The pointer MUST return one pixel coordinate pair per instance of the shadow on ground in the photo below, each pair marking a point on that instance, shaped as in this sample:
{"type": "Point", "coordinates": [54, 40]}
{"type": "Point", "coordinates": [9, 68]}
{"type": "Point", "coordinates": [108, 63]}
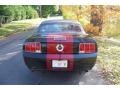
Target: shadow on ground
{"type": "Point", "coordinates": [59, 78]}
{"type": "Point", "coordinates": [14, 72]}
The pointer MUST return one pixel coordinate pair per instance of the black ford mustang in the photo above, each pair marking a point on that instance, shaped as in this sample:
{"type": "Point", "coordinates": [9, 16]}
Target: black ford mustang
{"type": "Point", "coordinates": [60, 45]}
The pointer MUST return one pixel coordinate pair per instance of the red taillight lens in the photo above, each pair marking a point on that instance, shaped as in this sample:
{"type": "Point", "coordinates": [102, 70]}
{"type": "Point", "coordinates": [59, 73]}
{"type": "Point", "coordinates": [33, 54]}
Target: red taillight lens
{"type": "Point", "coordinates": [87, 48]}
{"type": "Point", "coordinates": [34, 47]}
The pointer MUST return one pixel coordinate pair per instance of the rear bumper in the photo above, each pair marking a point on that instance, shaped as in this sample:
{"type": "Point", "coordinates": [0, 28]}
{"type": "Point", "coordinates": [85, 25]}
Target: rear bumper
{"type": "Point", "coordinates": [80, 61]}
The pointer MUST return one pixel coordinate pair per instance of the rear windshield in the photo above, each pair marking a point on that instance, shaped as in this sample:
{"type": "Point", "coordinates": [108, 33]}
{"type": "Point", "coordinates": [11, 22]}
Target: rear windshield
{"type": "Point", "coordinates": [59, 28]}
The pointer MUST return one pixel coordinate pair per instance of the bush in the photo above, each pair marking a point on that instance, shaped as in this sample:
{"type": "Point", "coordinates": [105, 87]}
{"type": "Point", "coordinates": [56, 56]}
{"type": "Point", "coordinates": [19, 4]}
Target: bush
{"type": "Point", "coordinates": [30, 12]}
{"type": "Point", "coordinates": [17, 11]}
{"type": "Point", "coordinates": [47, 9]}
{"type": "Point", "coordinates": [23, 12]}
{"type": "Point", "coordinates": [35, 14]}
{"type": "Point", "coordinates": [8, 12]}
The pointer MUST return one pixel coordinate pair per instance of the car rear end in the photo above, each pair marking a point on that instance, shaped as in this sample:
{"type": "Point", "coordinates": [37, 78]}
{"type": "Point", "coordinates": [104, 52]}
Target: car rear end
{"type": "Point", "coordinates": [77, 54]}
{"type": "Point", "coordinates": [60, 52]}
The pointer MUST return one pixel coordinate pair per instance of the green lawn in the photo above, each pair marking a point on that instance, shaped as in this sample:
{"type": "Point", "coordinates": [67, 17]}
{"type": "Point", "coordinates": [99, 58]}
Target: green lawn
{"type": "Point", "coordinates": [109, 60]}
{"type": "Point", "coordinates": [17, 26]}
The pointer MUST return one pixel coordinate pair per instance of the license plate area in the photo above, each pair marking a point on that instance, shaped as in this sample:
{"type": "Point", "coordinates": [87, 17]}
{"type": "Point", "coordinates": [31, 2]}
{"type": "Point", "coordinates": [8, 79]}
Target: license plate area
{"type": "Point", "coordinates": [59, 63]}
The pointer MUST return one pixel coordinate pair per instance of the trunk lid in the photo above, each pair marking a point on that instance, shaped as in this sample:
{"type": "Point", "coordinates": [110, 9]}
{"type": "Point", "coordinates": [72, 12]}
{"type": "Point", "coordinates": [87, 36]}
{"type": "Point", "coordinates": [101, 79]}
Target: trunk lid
{"type": "Point", "coordinates": [62, 44]}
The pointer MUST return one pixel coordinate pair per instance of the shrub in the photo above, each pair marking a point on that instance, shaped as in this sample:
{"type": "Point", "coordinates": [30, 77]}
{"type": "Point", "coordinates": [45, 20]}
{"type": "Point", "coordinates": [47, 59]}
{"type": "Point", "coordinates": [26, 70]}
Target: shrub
{"type": "Point", "coordinates": [23, 12]}
{"type": "Point", "coordinates": [17, 11]}
{"type": "Point", "coordinates": [47, 9]}
{"type": "Point", "coordinates": [30, 12]}
{"type": "Point", "coordinates": [7, 12]}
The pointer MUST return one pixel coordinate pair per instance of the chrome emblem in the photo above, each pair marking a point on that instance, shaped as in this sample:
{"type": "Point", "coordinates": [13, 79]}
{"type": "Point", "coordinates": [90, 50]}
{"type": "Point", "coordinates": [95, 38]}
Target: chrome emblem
{"type": "Point", "coordinates": [59, 47]}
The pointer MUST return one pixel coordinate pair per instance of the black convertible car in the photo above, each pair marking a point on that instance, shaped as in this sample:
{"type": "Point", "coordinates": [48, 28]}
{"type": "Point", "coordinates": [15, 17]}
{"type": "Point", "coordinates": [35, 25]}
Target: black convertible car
{"type": "Point", "coordinates": [60, 45]}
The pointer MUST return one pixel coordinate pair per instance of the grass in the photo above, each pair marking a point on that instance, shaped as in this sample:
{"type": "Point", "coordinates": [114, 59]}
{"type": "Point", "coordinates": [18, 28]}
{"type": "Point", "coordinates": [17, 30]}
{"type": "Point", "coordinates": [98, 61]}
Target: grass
{"type": "Point", "coordinates": [17, 26]}
{"type": "Point", "coordinates": [112, 29]}
{"type": "Point", "coordinates": [109, 58]}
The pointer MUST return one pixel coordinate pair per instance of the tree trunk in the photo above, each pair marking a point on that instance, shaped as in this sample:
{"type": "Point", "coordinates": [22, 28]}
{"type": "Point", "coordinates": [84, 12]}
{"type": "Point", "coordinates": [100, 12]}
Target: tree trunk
{"type": "Point", "coordinates": [97, 17]}
{"type": "Point", "coordinates": [1, 19]}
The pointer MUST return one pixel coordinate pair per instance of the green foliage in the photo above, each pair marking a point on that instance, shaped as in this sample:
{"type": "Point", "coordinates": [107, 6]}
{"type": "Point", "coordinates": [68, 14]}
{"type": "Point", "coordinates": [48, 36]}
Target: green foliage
{"type": "Point", "coordinates": [23, 12]}
{"type": "Point", "coordinates": [30, 12]}
{"type": "Point", "coordinates": [17, 12]}
{"type": "Point", "coordinates": [8, 12]}
{"type": "Point", "coordinates": [83, 21]}
{"type": "Point", "coordinates": [2, 9]}
{"type": "Point", "coordinates": [38, 9]}
{"type": "Point", "coordinates": [47, 9]}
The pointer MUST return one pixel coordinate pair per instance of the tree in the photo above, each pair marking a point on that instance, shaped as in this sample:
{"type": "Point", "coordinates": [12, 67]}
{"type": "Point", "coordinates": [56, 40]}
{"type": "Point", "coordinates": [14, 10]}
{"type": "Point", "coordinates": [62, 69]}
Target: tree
{"type": "Point", "coordinates": [97, 17]}
{"type": "Point", "coordinates": [89, 16]}
{"type": "Point", "coordinates": [38, 9]}
{"type": "Point", "coordinates": [6, 13]}
{"type": "Point", "coordinates": [16, 12]}
{"type": "Point", "coordinates": [23, 12]}
{"type": "Point", "coordinates": [30, 12]}
{"type": "Point", "coordinates": [47, 9]}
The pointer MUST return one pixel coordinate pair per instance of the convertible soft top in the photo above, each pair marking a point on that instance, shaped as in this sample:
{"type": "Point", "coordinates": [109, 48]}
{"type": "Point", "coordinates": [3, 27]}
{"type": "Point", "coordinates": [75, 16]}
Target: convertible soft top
{"type": "Point", "coordinates": [64, 21]}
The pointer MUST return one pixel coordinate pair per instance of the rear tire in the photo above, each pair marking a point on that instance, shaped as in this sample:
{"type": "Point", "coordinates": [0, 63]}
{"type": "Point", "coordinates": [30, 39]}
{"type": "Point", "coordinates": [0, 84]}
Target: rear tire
{"type": "Point", "coordinates": [85, 67]}
{"type": "Point", "coordinates": [35, 64]}
{"type": "Point", "coordinates": [28, 64]}
{"type": "Point", "coordinates": [88, 67]}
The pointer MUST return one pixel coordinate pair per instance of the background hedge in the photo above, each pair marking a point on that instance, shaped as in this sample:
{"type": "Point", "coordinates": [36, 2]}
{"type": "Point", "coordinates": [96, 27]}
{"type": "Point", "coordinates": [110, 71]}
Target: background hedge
{"type": "Point", "coordinates": [10, 13]}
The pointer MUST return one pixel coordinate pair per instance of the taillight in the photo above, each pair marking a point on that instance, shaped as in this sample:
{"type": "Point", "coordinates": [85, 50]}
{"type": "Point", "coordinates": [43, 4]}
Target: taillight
{"type": "Point", "coordinates": [34, 47]}
{"type": "Point", "coordinates": [87, 48]}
